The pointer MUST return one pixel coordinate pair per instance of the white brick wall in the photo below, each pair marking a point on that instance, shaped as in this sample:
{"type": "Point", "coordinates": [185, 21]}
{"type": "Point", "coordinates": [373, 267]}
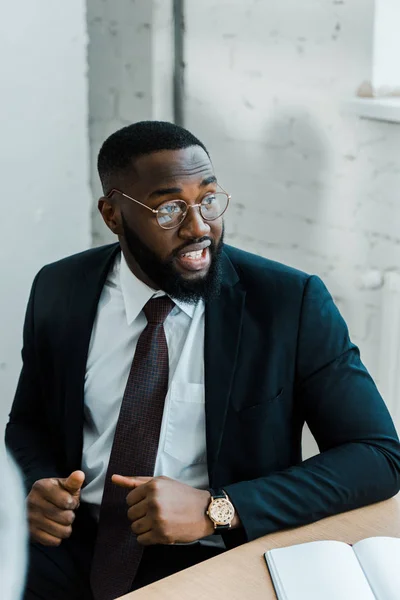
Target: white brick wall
{"type": "Point", "coordinates": [130, 74]}
{"type": "Point", "coordinates": [311, 187]}
{"type": "Point", "coordinates": [44, 156]}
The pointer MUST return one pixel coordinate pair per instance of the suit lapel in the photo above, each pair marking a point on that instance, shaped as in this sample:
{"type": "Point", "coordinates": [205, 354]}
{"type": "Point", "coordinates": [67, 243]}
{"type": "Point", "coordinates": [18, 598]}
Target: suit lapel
{"type": "Point", "coordinates": [85, 294]}
{"type": "Point", "coordinates": [223, 323]}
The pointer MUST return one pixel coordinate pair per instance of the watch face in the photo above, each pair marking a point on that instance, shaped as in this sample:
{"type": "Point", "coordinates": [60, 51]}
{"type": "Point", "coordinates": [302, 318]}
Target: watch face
{"type": "Point", "coordinates": [221, 511]}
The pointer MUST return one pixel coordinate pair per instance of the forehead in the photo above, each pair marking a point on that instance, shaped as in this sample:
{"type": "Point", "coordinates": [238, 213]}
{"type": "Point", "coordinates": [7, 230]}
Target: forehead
{"type": "Point", "coordinates": [161, 169]}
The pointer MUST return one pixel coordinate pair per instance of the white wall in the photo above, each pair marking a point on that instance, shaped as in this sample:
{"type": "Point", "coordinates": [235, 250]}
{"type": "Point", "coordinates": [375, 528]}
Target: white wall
{"type": "Point", "coordinates": [311, 187]}
{"type": "Point", "coordinates": [43, 157]}
{"type": "Point", "coordinates": [130, 75]}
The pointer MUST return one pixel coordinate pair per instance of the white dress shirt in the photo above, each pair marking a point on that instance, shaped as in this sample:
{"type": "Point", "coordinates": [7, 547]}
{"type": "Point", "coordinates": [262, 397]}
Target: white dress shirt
{"type": "Point", "coordinates": [118, 324]}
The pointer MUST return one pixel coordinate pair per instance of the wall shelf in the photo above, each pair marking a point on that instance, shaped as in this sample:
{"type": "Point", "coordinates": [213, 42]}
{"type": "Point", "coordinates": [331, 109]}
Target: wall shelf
{"type": "Point", "coordinates": [379, 109]}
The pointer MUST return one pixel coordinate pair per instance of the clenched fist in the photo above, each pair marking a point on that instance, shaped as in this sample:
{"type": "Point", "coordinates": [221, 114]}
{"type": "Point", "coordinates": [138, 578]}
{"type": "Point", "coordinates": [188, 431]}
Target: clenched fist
{"type": "Point", "coordinates": [51, 504]}
{"type": "Point", "coordinates": [164, 511]}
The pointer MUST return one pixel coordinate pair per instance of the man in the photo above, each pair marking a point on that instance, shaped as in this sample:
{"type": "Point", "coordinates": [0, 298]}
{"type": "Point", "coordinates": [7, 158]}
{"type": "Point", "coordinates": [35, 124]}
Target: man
{"type": "Point", "coordinates": [166, 382]}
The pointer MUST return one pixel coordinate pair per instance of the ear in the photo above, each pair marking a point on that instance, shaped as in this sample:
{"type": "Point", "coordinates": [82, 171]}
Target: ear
{"type": "Point", "coordinates": [110, 211]}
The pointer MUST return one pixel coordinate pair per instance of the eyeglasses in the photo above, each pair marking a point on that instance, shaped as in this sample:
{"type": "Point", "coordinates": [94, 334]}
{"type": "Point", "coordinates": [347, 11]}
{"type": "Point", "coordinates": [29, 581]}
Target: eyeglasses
{"type": "Point", "coordinates": [172, 213]}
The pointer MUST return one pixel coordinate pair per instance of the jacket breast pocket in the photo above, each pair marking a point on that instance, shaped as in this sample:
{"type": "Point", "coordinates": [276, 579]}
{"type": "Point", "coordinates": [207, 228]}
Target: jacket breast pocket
{"type": "Point", "coordinates": [261, 409]}
{"type": "Point", "coordinates": [185, 435]}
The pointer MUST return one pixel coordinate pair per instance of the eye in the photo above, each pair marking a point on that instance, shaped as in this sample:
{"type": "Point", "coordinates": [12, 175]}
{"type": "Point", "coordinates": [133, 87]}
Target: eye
{"type": "Point", "coordinates": [170, 209]}
{"type": "Point", "coordinates": [209, 200]}
{"type": "Point", "coordinates": [171, 213]}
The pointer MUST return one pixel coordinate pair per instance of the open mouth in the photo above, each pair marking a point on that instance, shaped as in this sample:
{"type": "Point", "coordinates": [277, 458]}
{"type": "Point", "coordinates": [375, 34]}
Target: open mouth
{"type": "Point", "coordinates": [195, 258]}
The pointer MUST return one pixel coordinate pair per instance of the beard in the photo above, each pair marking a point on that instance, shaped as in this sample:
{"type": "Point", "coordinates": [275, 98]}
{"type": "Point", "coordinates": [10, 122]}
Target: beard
{"type": "Point", "coordinates": [165, 275]}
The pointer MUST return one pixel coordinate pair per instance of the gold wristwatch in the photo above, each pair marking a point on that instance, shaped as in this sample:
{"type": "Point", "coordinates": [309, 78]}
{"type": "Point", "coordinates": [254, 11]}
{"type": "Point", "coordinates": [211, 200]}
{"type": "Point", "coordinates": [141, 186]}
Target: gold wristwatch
{"type": "Point", "coordinates": [220, 510]}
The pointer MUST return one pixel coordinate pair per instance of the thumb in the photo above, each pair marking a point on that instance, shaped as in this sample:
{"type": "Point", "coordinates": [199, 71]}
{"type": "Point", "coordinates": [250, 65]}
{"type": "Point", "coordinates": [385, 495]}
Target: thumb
{"type": "Point", "coordinates": [129, 482]}
{"type": "Point", "coordinates": [73, 483]}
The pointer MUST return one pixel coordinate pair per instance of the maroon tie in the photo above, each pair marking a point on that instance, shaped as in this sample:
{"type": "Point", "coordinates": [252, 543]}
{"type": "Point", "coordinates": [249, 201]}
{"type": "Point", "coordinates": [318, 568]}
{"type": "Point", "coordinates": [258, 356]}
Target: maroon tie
{"type": "Point", "coordinates": [117, 554]}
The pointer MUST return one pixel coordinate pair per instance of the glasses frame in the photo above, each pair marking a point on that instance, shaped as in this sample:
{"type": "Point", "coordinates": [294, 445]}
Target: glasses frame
{"type": "Point", "coordinates": [155, 211]}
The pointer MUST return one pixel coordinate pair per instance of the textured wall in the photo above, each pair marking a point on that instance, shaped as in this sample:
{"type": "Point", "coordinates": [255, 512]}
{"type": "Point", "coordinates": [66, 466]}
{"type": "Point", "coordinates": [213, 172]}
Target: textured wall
{"type": "Point", "coordinates": [311, 187]}
{"type": "Point", "coordinates": [44, 154]}
{"type": "Point", "coordinates": [130, 74]}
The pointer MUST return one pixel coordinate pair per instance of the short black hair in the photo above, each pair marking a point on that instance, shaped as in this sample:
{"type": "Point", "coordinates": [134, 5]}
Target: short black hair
{"type": "Point", "coordinates": [144, 137]}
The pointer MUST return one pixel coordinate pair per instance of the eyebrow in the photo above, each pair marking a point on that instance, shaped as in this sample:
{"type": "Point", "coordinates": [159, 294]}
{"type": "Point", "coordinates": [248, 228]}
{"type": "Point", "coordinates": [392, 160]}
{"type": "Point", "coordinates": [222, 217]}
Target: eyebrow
{"type": "Point", "coordinates": [177, 190]}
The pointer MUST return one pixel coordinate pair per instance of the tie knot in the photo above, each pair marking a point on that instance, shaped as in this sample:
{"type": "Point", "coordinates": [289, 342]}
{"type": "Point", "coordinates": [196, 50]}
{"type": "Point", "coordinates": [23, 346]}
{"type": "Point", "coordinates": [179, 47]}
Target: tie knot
{"type": "Point", "coordinates": [158, 309]}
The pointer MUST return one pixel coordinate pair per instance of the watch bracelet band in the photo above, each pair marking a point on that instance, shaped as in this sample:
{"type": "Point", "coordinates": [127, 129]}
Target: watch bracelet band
{"type": "Point", "coordinates": [219, 494]}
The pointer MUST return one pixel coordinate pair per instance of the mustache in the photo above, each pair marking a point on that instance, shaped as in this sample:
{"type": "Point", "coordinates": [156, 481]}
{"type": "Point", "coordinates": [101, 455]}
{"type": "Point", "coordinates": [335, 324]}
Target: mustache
{"type": "Point", "coordinates": [194, 241]}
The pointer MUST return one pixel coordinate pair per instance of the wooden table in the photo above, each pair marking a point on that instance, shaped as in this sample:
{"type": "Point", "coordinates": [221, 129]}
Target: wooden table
{"type": "Point", "coordinates": [241, 573]}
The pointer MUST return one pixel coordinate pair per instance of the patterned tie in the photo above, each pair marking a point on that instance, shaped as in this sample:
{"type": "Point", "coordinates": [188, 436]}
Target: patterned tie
{"type": "Point", "coordinates": [117, 554]}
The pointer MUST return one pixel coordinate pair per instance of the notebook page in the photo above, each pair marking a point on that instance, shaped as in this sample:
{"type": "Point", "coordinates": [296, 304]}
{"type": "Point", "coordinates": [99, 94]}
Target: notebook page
{"type": "Point", "coordinates": [380, 560]}
{"type": "Point", "coordinates": [315, 570]}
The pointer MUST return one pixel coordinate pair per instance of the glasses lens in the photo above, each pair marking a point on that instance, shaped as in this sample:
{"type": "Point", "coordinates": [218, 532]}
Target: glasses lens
{"type": "Point", "coordinates": [171, 214]}
{"type": "Point", "coordinates": [214, 205]}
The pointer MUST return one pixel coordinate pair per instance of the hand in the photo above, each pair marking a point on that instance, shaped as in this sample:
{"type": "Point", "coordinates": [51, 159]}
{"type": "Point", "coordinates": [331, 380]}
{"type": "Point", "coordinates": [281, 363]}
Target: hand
{"type": "Point", "coordinates": [165, 511]}
{"type": "Point", "coordinates": [51, 504]}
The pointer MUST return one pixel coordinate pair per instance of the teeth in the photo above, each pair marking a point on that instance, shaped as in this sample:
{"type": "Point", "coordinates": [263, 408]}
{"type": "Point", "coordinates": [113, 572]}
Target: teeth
{"type": "Point", "coordinates": [193, 255]}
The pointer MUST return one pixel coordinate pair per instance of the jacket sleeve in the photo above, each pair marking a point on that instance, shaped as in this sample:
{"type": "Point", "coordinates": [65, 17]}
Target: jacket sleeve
{"type": "Point", "coordinates": [26, 433]}
{"type": "Point", "coordinates": [359, 460]}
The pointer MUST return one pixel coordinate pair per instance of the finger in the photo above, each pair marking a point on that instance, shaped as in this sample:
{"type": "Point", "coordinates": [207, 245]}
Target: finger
{"type": "Point", "coordinates": [137, 495]}
{"type": "Point", "coordinates": [124, 482]}
{"type": "Point", "coordinates": [137, 511]}
{"type": "Point", "coordinates": [47, 509]}
{"type": "Point", "coordinates": [129, 482]}
{"type": "Point", "coordinates": [50, 527]}
{"type": "Point", "coordinates": [141, 526]}
{"type": "Point", "coordinates": [73, 483]}
{"type": "Point", "coordinates": [51, 491]}
{"type": "Point", "coordinates": [44, 538]}
{"type": "Point", "coordinates": [62, 517]}
{"type": "Point", "coordinates": [147, 539]}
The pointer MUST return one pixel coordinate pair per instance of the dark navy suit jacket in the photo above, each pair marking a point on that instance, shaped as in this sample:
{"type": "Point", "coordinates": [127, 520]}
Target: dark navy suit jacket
{"type": "Point", "coordinates": [277, 354]}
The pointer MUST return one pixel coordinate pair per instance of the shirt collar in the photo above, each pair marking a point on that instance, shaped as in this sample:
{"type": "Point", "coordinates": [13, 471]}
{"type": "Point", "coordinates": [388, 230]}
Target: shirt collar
{"type": "Point", "coordinates": [136, 294]}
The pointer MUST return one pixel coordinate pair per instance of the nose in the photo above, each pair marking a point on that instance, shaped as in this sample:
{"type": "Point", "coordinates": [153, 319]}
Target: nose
{"type": "Point", "coordinates": [194, 226]}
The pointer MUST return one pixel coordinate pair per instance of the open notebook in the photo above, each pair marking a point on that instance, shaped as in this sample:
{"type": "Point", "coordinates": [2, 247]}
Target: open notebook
{"type": "Point", "coordinates": [329, 570]}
